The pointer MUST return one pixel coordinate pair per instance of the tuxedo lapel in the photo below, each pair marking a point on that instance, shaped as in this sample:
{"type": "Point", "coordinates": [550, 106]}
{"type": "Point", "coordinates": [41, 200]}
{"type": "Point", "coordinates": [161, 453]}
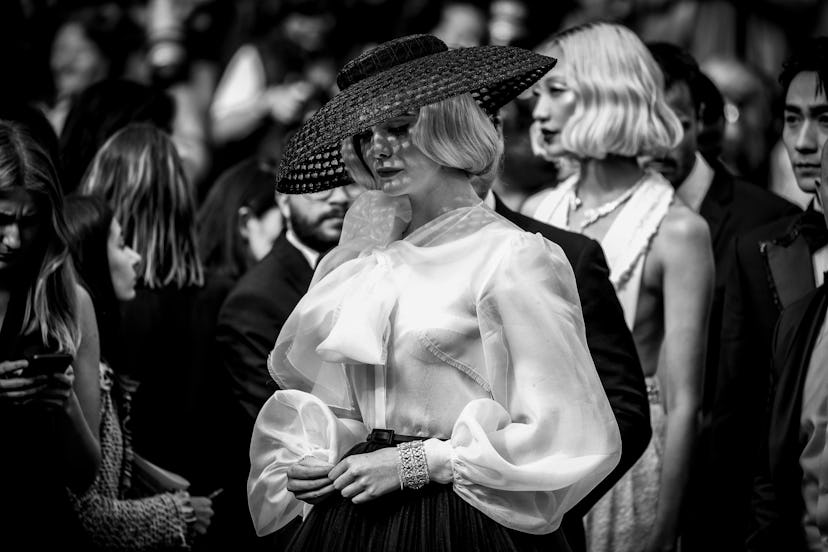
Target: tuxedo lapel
{"type": "Point", "coordinates": [790, 274]}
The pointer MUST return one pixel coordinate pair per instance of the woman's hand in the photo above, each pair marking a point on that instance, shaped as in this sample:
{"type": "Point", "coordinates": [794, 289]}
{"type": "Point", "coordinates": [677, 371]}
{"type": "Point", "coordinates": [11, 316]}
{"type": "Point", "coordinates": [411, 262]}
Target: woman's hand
{"type": "Point", "coordinates": [364, 477]}
{"type": "Point", "coordinates": [308, 480]}
{"type": "Point", "coordinates": [58, 389]}
{"type": "Point", "coordinates": [15, 388]}
{"type": "Point", "coordinates": [203, 509]}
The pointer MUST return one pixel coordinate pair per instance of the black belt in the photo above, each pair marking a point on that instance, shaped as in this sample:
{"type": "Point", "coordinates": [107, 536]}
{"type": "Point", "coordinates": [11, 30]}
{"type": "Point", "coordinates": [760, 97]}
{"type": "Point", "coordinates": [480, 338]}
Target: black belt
{"type": "Point", "coordinates": [389, 437]}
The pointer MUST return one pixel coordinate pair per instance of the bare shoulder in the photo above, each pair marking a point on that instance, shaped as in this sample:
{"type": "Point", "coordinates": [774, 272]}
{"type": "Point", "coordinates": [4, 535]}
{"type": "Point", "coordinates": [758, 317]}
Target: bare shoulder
{"type": "Point", "coordinates": [86, 310]}
{"type": "Point", "coordinates": [84, 300]}
{"type": "Point", "coordinates": [683, 241]}
{"type": "Point", "coordinates": [682, 226]}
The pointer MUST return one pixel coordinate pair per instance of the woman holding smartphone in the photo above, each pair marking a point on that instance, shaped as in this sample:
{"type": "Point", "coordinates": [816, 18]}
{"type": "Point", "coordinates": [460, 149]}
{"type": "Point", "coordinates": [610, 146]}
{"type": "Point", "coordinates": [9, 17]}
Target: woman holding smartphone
{"type": "Point", "coordinates": [48, 422]}
{"type": "Point", "coordinates": [170, 520]}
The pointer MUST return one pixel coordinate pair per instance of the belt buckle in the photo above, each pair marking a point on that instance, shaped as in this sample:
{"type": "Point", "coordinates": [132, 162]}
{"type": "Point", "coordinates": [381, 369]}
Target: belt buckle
{"type": "Point", "coordinates": [383, 436]}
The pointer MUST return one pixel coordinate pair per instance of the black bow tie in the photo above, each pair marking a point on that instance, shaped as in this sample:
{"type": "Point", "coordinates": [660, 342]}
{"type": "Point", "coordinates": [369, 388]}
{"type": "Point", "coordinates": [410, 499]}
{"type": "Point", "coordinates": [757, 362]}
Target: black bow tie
{"type": "Point", "coordinates": [812, 227]}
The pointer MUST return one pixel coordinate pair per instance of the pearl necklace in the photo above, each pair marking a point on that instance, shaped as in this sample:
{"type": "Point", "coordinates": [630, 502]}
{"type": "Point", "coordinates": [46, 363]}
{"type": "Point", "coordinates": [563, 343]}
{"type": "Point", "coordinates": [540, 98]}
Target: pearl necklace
{"type": "Point", "coordinates": [591, 216]}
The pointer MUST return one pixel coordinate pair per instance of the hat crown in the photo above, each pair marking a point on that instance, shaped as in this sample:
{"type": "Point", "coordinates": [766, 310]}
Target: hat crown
{"type": "Point", "coordinates": [387, 55]}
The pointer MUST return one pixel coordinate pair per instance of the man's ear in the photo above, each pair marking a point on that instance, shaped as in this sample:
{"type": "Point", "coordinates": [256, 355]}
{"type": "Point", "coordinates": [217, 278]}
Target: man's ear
{"type": "Point", "coordinates": [245, 215]}
{"type": "Point", "coordinates": [283, 203]}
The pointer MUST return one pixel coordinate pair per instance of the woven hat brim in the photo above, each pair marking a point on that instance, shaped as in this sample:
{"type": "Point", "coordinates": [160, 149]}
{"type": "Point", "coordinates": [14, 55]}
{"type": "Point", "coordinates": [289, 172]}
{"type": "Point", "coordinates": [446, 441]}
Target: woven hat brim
{"type": "Point", "coordinates": [494, 75]}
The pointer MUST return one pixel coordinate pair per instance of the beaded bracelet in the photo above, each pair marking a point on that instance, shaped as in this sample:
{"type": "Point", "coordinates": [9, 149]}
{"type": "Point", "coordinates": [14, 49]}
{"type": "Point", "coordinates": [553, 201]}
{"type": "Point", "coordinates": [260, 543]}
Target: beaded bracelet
{"type": "Point", "coordinates": [413, 469]}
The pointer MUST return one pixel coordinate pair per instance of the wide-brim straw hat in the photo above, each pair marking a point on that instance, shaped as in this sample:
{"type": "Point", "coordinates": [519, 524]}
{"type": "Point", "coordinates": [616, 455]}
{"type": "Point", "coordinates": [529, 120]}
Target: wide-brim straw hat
{"type": "Point", "coordinates": [393, 79]}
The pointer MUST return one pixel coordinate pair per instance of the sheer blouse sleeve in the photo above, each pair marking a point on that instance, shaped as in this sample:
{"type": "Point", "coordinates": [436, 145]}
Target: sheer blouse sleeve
{"type": "Point", "coordinates": [291, 425]}
{"type": "Point", "coordinates": [547, 436]}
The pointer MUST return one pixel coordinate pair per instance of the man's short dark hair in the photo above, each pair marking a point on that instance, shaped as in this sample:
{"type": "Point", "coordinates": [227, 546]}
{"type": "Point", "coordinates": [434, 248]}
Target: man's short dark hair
{"type": "Point", "coordinates": [810, 55]}
{"type": "Point", "coordinates": [678, 66]}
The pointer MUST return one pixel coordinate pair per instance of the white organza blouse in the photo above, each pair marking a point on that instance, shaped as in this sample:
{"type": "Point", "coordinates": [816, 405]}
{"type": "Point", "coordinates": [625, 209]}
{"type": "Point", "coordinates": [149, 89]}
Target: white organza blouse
{"type": "Point", "coordinates": [469, 331]}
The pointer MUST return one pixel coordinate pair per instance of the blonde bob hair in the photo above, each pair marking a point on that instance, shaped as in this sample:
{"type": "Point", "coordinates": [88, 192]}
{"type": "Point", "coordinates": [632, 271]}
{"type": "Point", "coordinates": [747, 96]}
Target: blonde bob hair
{"type": "Point", "coordinates": [619, 88]}
{"type": "Point", "coordinates": [455, 133]}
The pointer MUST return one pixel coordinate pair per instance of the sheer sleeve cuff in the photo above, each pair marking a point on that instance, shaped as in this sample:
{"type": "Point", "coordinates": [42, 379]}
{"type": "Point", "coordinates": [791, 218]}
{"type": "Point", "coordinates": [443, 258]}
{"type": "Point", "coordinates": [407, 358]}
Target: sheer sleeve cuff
{"type": "Point", "coordinates": [291, 425]}
{"type": "Point", "coordinates": [438, 456]}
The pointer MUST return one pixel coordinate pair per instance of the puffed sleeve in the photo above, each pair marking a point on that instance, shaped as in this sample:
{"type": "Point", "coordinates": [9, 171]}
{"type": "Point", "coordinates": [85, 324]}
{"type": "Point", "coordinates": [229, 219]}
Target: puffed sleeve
{"type": "Point", "coordinates": [548, 435]}
{"type": "Point", "coordinates": [291, 425]}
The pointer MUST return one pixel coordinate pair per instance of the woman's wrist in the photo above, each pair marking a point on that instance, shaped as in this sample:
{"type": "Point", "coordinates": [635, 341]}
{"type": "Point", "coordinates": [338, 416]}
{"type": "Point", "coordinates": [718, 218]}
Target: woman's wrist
{"type": "Point", "coordinates": [412, 465]}
{"type": "Point", "coordinates": [185, 507]}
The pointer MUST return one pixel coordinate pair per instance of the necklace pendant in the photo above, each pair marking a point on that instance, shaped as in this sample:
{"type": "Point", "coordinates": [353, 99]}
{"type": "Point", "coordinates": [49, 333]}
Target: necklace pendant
{"type": "Point", "coordinates": [575, 203]}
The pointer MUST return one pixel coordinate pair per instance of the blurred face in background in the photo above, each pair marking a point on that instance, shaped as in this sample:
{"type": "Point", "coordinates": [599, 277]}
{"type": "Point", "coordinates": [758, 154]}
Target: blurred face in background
{"type": "Point", "coordinates": [806, 128]}
{"type": "Point", "coordinates": [507, 22]}
{"type": "Point", "coordinates": [676, 165]}
{"type": "Point", "coordinates": [746, 142]}
{"type": "Point", "coordinates": [308, 31]}
{"type": "Point", "coordinates": [461, 25]}
{"type": "Point", "coordinates": [260, 231]}
{"type": "Point", "coordinates": [76, 61]}
{"type": "Point", "coordinates": [122, 262]}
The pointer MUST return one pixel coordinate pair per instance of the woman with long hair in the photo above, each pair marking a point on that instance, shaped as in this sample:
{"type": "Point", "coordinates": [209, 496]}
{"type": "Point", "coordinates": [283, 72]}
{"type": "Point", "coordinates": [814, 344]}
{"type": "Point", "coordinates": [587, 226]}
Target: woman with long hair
{"type": "Point", "coordinates": [49, 419]}
{"type": "Point", "coordinates": [106, 267]}
{"type": "Point", "coordinates": [166, 334]}
{"type": "Point", "coordinates": [603, 105]}
{"type": "Point", "coordinates": [239, 219]}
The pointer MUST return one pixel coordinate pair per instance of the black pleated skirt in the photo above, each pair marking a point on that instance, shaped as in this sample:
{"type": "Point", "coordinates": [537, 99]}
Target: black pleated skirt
{"type": "Point", "coordinates": [432, 519]}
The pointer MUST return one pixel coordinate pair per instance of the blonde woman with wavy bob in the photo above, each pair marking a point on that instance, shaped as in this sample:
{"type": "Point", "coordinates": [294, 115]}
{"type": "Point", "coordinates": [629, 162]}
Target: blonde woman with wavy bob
{"type": "Point", "coordinates": [603, 105]}
{"type": "Point", "coordinates": [620, 108]}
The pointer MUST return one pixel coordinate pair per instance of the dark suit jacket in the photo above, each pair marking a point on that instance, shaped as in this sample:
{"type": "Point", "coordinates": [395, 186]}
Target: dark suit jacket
{"type": "Point", "coordinates": [252, 316]}
{"type": "Point", "coordinates": [772, 269]}
{"type": "Point", "coordinates": [613, 351]}
{"type": "Point", "coordinates": [777, 500]}
{"type": "Point", "coordinates": [730, 208]}
{"type": "Point", "coordinates": [248, 323]}
{"type": "Point", "coordinates": [166, 338]}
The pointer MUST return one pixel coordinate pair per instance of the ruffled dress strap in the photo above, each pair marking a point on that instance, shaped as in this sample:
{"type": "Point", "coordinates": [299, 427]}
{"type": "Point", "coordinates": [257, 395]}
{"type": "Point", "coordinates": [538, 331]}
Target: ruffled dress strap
{"type": "Point", "coordinates": [628, 239]}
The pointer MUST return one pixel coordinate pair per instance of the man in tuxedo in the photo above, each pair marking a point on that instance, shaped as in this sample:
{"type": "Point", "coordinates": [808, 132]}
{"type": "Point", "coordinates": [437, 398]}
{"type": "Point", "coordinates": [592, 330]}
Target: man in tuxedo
{"type": "Point", "coordinates": [254, 312]}
{"type": "Point", "coordinates": [773, 266]}
{"type": "Point", "coordinates": [610, 344]}
{"type": "Point", "coordinates": [730, 207]}
{"type": "Point", "coordinates": [790, 478]}
{"type": "Point", "coordinates": [260, 303]}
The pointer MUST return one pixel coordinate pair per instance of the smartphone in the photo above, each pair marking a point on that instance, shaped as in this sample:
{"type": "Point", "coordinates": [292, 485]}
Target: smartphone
{"type": "Point", "coordinates": [44, 364]}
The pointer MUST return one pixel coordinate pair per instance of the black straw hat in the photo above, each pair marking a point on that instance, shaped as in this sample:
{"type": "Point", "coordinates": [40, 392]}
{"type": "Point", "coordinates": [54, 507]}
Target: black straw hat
{"type": "Point", "coordinates": [390, 80]}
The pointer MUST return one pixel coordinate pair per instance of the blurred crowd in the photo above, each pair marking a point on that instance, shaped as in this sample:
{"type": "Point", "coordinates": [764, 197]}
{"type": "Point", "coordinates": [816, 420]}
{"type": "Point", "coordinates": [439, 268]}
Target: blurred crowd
{"type": "Point", "coordinates": [244, 74]}
{"type": "Point", "coordinates": [165, 121]}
